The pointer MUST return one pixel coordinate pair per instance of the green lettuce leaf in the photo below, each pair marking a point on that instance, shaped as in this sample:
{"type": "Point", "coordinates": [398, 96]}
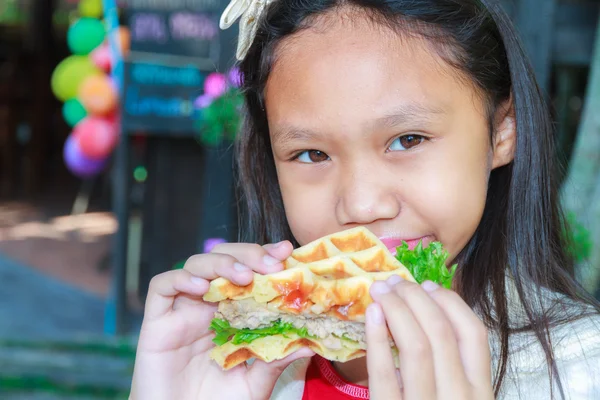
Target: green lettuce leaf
{"type": "Point", "coordinates": [225, 332]}
{"type": "Point", "coordinates": [427, 264]}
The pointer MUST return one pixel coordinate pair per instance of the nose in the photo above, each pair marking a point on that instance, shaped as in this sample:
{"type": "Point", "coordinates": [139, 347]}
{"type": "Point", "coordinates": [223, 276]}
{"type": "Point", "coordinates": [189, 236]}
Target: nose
{"type": "Point", "coordinates": [365, 196]}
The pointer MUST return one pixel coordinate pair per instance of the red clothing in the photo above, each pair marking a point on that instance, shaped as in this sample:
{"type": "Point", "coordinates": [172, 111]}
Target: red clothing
{"type": "Point", "coordinates": [323, 382]}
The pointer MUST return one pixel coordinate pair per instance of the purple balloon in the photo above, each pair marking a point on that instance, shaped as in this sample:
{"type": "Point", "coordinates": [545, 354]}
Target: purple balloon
{"type": "Point", "coordinates": [235, 77]}
{"type": "Point", "coordinates": [203, 101]}
{"type": "Point", "coordinates": [79, 164]}
{"type": "Point", "coordinates": [209, 244]}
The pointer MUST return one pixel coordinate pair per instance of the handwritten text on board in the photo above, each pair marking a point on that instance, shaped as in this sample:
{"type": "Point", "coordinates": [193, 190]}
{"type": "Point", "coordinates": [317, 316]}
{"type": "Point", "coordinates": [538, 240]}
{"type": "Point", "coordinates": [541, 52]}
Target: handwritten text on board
{"type": "Point", "coordinates": [154, 27]}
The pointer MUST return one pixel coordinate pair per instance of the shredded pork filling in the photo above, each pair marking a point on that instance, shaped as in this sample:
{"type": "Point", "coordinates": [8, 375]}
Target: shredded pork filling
{"type": "Point", "coordinates": [250, 314]}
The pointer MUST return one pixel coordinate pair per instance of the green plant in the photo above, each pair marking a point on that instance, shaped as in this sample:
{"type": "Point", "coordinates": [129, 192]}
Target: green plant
{"type": "Point", "coordinates": [221, 119]}
{"type": "Point", "coordinates": [578, 239]}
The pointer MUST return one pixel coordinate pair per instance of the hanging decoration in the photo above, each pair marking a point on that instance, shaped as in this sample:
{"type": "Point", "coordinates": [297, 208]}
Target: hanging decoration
{"type": "Point", "coordinates": [218, 110]}
{"type": "Point", "coordinates": [82, 82]}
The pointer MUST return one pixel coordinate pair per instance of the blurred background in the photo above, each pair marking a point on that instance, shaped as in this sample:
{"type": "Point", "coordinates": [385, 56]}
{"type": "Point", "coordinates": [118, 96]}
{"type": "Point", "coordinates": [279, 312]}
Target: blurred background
{"type": "Point", "coordinates": [116, 123]}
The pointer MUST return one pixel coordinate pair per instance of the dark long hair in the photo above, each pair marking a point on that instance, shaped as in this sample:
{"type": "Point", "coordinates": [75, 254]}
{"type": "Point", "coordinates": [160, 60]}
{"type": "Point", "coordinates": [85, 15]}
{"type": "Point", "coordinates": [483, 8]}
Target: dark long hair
{"type": "Point", "coordinates": [522, 229]}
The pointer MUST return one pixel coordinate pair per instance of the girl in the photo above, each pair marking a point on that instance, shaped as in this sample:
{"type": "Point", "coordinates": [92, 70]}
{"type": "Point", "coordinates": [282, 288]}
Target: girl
{"type": "Point", "coordinates": [421, 120]}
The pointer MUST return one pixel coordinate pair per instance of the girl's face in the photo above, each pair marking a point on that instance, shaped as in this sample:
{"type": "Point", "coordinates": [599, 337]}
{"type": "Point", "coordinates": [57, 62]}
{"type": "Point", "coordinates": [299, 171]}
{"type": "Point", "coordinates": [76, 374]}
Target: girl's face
{"type": "Point", "coordinates": [368, 128]}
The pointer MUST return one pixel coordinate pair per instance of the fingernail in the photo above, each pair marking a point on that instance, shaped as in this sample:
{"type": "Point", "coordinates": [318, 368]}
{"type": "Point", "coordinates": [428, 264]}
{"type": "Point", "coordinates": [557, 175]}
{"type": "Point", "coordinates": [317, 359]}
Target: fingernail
{"type": "Point", "coordinates": [276, 245]}
{"type": "Point", "coordinates": [429, 286]}
{"type": "Point", "coordinates": [197, 280]}
{"type": "Point", "coordinates": [269, 261]}
{"type": "Point", "coordinates": [374, 314]}
{"type": "Point", "coordinates": [394, 279]}
{"type": "Point", "coordinates": [240, 267]}
{"type": "Point", "coordinates": [380, 287]}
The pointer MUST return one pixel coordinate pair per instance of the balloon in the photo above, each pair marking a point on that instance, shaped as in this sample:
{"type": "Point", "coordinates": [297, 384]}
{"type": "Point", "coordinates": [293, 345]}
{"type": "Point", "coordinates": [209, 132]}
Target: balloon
{"type": "Point", "coordinates": [124, 38]}
{"type": "Point", "coordinates": [98, 95]}
{"type": "Point", "coordinates": [73, 112]}
{"type": "Point", "coordinates": [69, 74]}
{"type": "Point", "coordinates": [215, 84]}
{"type": "Point", "coordinates": [235, 77]}
{"type": "Point", "coordinates": [85, 35]}
{"type": "Point", "coordinates": [101, 57]}
{"type": "Point", "coordinates": [90, 8]}
{"type": "Point", "coordinates": [96, 137]}
{"type": "Point", "coordinates": [203, 101]}
{"type": "Point", "coordinates": [78, 163]}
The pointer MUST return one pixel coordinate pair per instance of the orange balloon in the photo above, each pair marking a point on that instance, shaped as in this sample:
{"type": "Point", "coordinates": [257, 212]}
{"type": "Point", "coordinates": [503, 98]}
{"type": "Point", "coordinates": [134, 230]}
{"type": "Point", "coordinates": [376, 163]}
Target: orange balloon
{"type": "Point", "coordinates": [124, 40]}
{"type": "Point", "coordinates": [98, 95]}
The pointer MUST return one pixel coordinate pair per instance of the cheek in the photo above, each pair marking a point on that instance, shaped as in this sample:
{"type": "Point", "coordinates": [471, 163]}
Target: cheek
{"type": "Point", "coordinates": [452, 194]}
{"type": "Point", "coordinates": [309, 207]}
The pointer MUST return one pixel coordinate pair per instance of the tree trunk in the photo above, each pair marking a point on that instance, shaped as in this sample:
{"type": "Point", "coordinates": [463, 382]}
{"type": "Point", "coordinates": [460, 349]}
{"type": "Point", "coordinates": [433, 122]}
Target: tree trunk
{"type": "Point", "coordinates": [581, 190]}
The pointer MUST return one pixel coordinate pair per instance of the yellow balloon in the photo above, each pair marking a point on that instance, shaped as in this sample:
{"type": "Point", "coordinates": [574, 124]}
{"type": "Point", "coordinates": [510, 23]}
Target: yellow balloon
{"type": "Point", "coordinates": [91, 8]}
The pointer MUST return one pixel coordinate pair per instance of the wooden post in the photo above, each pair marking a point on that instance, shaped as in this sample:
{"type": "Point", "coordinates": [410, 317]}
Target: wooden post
{"type": "Point", "coordinates": [219, 217]}
{"type": "Point", "coordinates": [40, 44]}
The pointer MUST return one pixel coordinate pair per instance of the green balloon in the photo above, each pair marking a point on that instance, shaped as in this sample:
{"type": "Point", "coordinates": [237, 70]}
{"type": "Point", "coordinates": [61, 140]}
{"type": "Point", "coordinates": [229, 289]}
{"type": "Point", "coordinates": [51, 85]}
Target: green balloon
{"type": "Point", "coordinates": [69, 74]}
{"type": "Point", "coordinates": [73, 112]}
{"type": "Point", "coordinates": [85, 35]}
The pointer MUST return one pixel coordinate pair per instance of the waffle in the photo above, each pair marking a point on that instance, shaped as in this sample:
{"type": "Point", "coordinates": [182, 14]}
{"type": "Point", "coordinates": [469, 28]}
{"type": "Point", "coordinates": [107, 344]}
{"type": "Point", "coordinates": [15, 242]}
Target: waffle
{"type": "Point", "coordinates": [277, 347]}
{"type": "Point", "coordinates": [330, 276]}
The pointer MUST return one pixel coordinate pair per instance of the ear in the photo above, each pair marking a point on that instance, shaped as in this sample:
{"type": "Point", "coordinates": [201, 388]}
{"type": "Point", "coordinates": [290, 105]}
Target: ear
{"type": "Point", "coordinates": [504, 140]}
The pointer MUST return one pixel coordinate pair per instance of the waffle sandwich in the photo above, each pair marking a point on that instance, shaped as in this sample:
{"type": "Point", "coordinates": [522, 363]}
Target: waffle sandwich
{"type": "Point", "coordinates": [317, 301]}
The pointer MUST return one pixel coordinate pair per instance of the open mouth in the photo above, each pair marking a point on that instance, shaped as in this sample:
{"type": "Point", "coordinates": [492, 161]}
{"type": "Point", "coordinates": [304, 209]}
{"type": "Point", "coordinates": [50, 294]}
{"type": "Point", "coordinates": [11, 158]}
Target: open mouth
{"type": "Point", "coordinates": [392, 243]}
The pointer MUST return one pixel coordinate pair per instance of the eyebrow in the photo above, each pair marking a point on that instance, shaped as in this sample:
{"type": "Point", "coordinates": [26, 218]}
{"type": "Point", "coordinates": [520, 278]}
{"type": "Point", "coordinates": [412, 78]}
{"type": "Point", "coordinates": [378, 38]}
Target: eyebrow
{"type": "Point", "coordinates": [290, 133]}
{"type": "Point", "coordinates": [401, 115]}
{"type": "Point", "coordinates": [412, 112]}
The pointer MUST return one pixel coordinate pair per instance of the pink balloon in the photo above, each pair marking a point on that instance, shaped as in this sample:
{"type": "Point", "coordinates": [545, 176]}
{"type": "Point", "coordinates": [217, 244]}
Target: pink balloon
{"type": "Point", "coordinates": [215, 84]}
{"type": "Point", "coordinates": [101, 57]}
{"type": "Point", "coordinates": [96, 137]}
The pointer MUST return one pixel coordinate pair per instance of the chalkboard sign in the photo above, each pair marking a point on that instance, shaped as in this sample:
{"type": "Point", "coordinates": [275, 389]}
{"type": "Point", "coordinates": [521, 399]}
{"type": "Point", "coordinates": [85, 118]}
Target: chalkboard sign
{"type": "Point", "coordinates": [160, 98]}
{"type": "Point", "coordinates": [174, 44]}
{"type": "Point", "coordinates": [176, 28]}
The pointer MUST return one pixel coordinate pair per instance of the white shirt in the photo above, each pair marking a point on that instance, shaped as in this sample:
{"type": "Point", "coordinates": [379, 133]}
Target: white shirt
{"type": "Point", "coordinates": [576, 348]}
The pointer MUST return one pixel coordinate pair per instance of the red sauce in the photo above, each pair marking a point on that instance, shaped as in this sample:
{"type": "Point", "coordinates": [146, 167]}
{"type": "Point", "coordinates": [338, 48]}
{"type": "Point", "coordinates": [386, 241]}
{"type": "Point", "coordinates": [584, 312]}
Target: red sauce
{"type": "Point", "coordinates": [295, 295]}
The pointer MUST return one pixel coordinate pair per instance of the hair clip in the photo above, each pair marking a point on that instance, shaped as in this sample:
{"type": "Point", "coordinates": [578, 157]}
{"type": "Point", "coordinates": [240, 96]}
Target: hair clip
{"type": "Point", "coordinates": [250, 12]}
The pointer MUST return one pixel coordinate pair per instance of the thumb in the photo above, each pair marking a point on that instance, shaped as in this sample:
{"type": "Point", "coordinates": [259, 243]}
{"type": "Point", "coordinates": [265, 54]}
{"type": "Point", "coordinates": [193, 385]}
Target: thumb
{"type": "Point", "coordinates": [262, 376]}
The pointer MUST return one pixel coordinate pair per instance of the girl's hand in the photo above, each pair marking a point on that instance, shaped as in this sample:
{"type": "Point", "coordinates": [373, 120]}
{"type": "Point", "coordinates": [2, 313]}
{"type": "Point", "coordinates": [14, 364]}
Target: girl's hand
{"type": "Point", "coordinates": [443, 346]}
{"type": "Point", "coordinates": [172, 360]}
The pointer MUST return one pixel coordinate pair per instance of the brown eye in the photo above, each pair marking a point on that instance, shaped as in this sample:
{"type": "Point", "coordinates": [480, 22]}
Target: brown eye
{"type": "Point", "coordinates": [406, 142]}
{"type": "Point", "coordinates": [312, 156]}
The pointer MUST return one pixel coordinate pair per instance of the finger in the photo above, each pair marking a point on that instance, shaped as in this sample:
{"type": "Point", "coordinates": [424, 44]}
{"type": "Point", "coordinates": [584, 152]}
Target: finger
{"type": "Point", "coordinates": [211, 266]}
{"type": "Point", "coordinates": [383, 382]}
{"type": "Point", "coordinates": [281, 250]}
{"type": "Point", "coordinates": [450, 378]}
{"type": "Point", "coordinates": [262, 259]}
{"type": "Point", "coordinates": [415, 355]}
{"type": "Point", "coordinates": [471, 335]}
{"type": "Point", "coordinates": [262, 376]}
{"type": "Point", "coordinates": [164, 287]}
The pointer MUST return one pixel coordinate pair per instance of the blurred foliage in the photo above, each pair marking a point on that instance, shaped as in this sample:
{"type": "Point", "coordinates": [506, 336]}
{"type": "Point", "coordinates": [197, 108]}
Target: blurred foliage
{"type": "Point", "coordinates": [578, 238]}
{"type": "Point", "coordinates": [221, 119]}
